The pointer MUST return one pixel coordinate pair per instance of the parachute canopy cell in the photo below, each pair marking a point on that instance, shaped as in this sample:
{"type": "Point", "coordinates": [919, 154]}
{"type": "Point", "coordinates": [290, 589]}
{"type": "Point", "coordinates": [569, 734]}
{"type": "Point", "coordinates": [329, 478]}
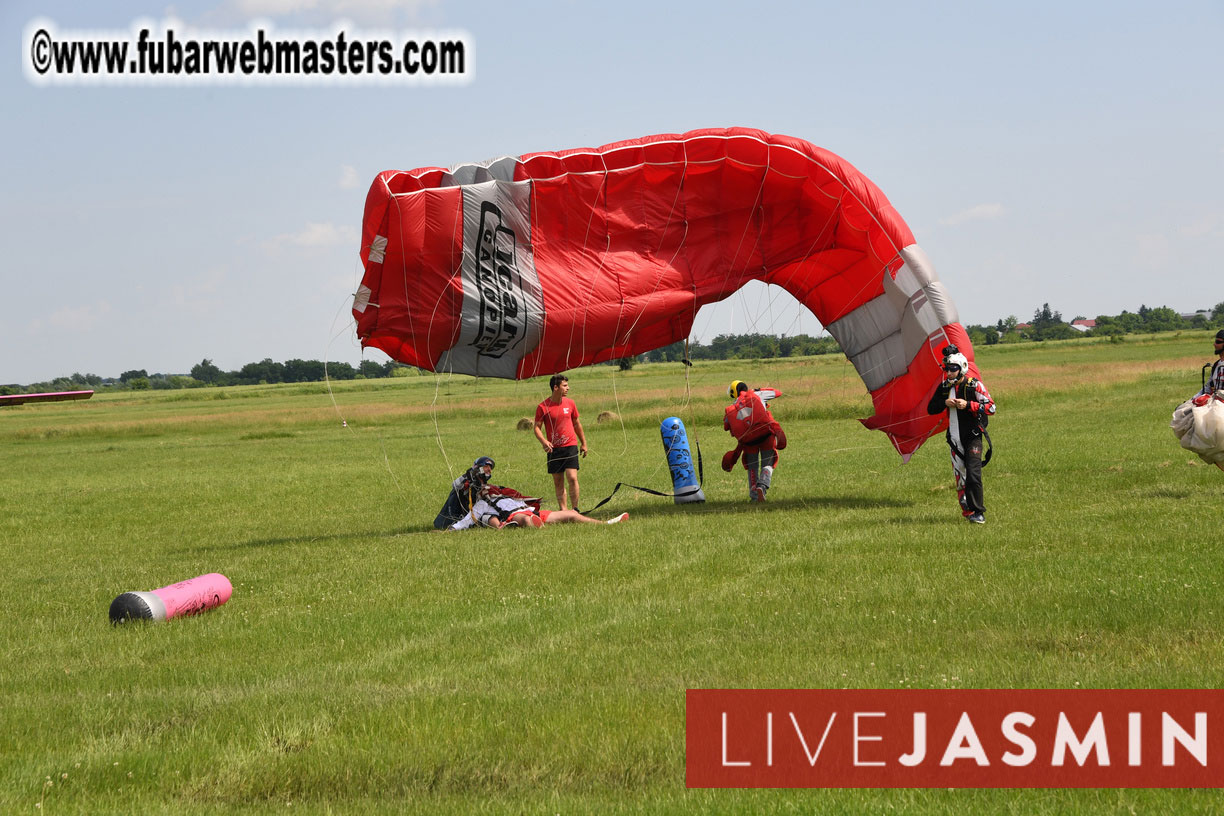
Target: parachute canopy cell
{"type": "Point", "coordinates": [519, 267]}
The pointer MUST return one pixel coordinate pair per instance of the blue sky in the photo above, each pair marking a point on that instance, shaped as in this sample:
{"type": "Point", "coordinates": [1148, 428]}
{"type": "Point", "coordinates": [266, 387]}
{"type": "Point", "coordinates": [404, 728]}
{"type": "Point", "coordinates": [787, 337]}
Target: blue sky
{"type": "Point", "coordinates": [1048, 152]}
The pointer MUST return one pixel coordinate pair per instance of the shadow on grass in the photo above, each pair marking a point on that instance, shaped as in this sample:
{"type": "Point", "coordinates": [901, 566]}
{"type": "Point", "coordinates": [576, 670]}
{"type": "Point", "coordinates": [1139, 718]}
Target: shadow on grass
{"type": "Point", "coordinates": [665, 507]}
{"type": "Point", "coordinates": [331, 539]}
{"type": "Point", "coordinates": [659, 508]}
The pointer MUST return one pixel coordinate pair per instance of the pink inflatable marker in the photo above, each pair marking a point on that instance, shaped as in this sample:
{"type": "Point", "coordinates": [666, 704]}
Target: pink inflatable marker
{"type": "Point", "coordinates": [188, 597]}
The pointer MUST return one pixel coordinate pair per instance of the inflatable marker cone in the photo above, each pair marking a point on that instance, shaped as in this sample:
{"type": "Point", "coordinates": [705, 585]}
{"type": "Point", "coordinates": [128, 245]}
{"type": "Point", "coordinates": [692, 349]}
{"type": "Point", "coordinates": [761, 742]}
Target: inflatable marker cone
{"type": "Point", "coordinates": [685, 484]}
{"type": "Point", "coordinates": [188, 597]}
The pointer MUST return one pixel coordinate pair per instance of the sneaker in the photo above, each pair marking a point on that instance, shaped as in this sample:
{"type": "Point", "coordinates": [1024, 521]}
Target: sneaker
{"type": "Point", "coordinates": [618, 519]}
{"type": "Point", "coordinates": [758, 493]}
{"type": "Point", "coordinates": [977, 518]}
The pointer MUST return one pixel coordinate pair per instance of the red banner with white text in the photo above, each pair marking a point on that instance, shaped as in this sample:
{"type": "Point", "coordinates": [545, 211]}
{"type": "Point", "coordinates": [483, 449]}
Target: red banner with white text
{"type": "Point", "coordinates": [954, 738]}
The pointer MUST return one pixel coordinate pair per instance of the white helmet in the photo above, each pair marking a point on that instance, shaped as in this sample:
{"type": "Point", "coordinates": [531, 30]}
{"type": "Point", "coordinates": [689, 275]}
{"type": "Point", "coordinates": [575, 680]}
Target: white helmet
{"type": "Point", "coordinates": [954, 366]}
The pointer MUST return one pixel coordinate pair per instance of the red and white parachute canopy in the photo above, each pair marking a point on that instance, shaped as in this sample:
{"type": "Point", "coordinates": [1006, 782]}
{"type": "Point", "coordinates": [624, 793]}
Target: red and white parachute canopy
{"type": "Point", "coordinates": [518, 267]}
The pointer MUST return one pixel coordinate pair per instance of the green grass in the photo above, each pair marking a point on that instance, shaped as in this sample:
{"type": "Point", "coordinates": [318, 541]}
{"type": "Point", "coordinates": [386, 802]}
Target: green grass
{"type": "Point", "coordinates": [367, 664]}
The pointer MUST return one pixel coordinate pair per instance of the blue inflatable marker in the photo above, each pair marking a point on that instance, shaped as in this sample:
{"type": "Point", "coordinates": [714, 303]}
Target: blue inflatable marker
{"type": "Point", "coordinates": [685, 484]}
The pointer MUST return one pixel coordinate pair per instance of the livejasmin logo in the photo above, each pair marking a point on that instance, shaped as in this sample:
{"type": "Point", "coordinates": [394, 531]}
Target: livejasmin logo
{"type": "Point", "coordinates": [953, 738]}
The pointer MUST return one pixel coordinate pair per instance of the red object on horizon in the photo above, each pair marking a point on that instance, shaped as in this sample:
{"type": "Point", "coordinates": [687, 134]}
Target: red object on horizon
{"type": "Point", "coordinates": [53, 396]}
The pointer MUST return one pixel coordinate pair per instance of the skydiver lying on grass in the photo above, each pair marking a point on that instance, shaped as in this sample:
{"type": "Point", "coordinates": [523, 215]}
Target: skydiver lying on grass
{"type": "Point", "coordinates": [499, 507]}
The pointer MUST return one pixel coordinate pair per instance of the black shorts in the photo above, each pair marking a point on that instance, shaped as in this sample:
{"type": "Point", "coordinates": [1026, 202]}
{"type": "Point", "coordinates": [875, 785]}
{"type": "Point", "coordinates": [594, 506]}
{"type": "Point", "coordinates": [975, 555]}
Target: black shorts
{"type": "Point", "coordinates": [562, 459]}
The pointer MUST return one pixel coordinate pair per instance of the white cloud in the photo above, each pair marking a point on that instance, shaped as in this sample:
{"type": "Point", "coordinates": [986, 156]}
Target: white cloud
{"type": "Point", "coordinates": [273, 8]}
{"type": "Point", "coordinates": [201, 294]}
{"type": "Point", "coordinates": [76, 318]}
{"type": "Point", "coordinates": [315, 236]}
{"type": "Point", "coordinates": [349, 180]}
{"type": "Point", "coordinates": [362, 12]}
{"type": "Point", "coordinates": [1153, 251]}
{"type": "Point", "coordinates": [982, 212]}
{"type": "Point", "coordinates": [1205, 225]}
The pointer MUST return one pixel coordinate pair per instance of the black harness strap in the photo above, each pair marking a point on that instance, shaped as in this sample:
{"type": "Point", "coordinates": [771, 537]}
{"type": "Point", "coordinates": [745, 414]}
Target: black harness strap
{"type": "Point", "coordinates": [619, 485]}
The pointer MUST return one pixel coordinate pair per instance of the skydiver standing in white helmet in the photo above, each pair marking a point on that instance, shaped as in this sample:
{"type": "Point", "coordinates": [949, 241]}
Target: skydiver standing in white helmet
{"type": "Point", "coordinates": [969, 407]}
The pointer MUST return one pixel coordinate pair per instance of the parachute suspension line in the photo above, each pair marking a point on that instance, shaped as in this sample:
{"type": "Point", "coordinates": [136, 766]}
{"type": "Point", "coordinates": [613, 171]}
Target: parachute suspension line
{"type": "Point", "coordinates": [327, 353]}
{"type": "Point", "coordinates": [756, 204]}
{"type": "Point", "coordinates": [433, 413]}
{"type": "Point", "coordinates": [405, 283]}
{"type": "Point", "coordinates": [670, 261]}
{"type": "Point", "coordinates": [688, 402]}
{"type": "Point", "coordinates": [433, 405]}
{"type": "Point", "coordinates": [590, 291]}
{"type": "Point", "coordinates": [663, 235]}
{"type": "Point", "coordinates": [757, 213]}
{"type": "Point", "coordinates": [662, 270]}
{"type": "Point", "coordinates": [620, 416]}
{"type": "Point", "coordinates": [654, 289]}
{"type": "Point", "coordinates": [344, 423]}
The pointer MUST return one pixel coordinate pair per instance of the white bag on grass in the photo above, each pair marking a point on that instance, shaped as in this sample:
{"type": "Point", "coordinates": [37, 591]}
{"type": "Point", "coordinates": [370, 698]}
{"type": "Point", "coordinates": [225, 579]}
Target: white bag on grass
{"type": "Point", "coordinates": [1200, 429]}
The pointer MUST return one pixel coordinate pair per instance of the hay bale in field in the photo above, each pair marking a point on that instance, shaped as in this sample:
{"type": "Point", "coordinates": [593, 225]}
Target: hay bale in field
{"type": "Point", "coordinates": [606, 416]}
{"type": "Point", "coordinates": [524, 424]}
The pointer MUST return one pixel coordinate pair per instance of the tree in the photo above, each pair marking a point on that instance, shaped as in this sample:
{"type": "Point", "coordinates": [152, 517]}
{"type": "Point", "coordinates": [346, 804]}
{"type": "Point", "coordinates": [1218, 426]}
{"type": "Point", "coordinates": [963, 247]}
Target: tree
{"type": "Point", "coordinates": [668, 354]}
{"type": "Point", "coordinates": [371, 370]}
{"type": "Point", "coordinates": [982, 335]}
{"type": "Point", "coordinates": [303, 371]}
{"type": "Point", "coordinates": [1048, 325]}
{"type": "Point", "coordinates": [340, 371]}
{"type": "Point", "coordinates": [128, 376]}
{"type": "Point", "coordinates": [1007, 325]}
{"type": "Point", "coordinates": [1217, 314]}
{"type": "Point", "coordinates": [205, 372]}
{"type": "Point", "coordinates": [1107, 326]}
{"type": "Point", "coordinates": [1162, 319]}
{"type": "Point", "coordinates": [265, 371]}
{"type": "Point", "coordinates": [1130, 322]}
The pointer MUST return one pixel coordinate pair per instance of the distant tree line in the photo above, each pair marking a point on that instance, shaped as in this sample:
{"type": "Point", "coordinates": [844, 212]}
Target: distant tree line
{"type": "Point", "coordinates": [745, 347]}
{"type": "Point", "coordinates": [206, 373]}
{"type": "Point", "coordinates": [1046, 324]}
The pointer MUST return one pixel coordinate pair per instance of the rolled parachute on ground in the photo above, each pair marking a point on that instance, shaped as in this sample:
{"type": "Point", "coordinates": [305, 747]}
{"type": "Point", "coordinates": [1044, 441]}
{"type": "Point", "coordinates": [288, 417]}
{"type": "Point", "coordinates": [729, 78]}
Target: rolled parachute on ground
{"type": "Point", "coordinates": [1200, 428]}
{"type": "Point", "coordinates": [519, 267]}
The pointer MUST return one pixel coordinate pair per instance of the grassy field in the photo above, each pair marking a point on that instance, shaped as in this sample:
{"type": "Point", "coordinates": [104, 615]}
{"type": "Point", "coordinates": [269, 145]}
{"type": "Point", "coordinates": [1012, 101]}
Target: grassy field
{"type": "Point", "coordinates": [367, 664]}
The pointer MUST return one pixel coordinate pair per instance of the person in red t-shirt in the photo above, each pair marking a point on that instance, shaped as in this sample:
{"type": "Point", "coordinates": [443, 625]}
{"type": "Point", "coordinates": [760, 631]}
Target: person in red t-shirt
{"type": "Point", "coordinates": [560, 434]}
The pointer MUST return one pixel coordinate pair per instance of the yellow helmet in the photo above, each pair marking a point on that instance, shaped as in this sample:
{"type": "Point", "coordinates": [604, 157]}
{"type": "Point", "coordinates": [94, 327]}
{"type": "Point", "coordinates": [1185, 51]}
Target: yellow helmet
{"type": "Point", "coordinates": [734, 389]}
